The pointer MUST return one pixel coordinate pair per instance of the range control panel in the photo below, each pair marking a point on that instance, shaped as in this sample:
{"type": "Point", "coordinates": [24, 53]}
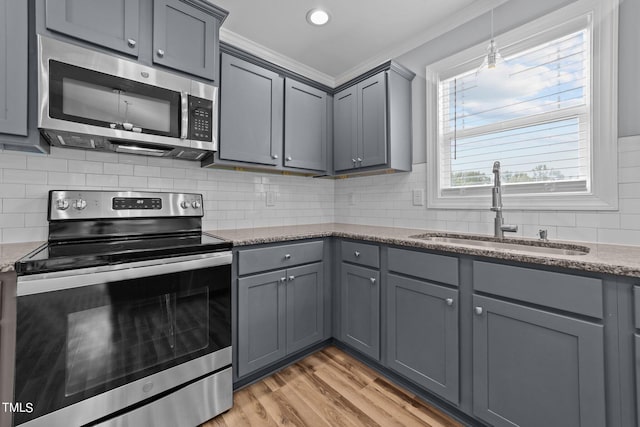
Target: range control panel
{"type": "Point", "coordinates": [77, 204]}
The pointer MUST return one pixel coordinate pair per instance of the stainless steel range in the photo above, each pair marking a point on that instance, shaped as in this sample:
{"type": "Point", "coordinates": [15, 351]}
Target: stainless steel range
{"type": "Point", "coordinates": [124, 316]}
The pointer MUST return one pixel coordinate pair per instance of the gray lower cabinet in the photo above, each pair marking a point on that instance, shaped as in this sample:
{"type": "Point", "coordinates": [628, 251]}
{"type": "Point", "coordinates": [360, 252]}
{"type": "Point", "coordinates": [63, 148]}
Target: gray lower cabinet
{"type": "Point", "coordinates": [13, 64]}
{"type": "Point", "coordinates": [251, 113]}
{"type": "Point", "coordinates": [422, 334]}
{"type": "Point", "coordinates": [360, 309]}
{"type": "Point", "coordinates": [305, 127]}
{"type": "Point", "coordinates": [113, 24]}
{"type": "Point", "coordinates": [7, 341]}
{"type": "Point", "coordinates": [278, 313]}
{"type": "Point", "coordinates": [185, 37]}
{"type": "Point", "coordinates": [536, 368]}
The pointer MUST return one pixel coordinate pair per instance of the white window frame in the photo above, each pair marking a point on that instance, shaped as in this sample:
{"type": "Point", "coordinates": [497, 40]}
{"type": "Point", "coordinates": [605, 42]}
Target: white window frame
{"type": "Point", "coordinates": [602, 194]}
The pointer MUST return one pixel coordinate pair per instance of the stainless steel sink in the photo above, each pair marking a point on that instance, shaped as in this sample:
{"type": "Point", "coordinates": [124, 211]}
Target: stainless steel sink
{"type": "Point", "coordinates": [544, 248]}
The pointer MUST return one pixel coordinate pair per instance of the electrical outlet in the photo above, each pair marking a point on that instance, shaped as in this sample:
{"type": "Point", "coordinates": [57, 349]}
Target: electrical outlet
{"type": "Point", "coordinates": [418, 197]}
{"type": "Point", "coordinates": [271, 198]}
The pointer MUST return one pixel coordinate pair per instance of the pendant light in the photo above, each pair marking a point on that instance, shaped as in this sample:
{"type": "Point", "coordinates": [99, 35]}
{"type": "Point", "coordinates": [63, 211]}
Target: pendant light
{"type": "Point", "coordinates": [492, 59]}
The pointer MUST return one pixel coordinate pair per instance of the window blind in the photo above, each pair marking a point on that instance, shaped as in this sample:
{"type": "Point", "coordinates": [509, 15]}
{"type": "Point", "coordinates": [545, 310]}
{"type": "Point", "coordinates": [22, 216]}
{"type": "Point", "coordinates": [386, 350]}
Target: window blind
{"type": "Point", "coordinates": [531, 113]}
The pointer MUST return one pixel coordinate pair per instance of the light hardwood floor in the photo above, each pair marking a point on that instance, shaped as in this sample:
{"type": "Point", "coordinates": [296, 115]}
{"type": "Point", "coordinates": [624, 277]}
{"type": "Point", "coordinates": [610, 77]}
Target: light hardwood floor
{"type": "Point", "coordinates": [328, 389]}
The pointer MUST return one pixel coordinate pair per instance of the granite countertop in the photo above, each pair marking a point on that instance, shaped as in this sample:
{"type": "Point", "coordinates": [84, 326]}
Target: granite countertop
{"type": "Point", "coordinates": [609, 259]}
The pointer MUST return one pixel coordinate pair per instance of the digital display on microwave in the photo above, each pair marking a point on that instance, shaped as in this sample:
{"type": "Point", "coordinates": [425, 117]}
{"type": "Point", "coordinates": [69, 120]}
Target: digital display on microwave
{"type": "Point", "coordinates": [125, 203]}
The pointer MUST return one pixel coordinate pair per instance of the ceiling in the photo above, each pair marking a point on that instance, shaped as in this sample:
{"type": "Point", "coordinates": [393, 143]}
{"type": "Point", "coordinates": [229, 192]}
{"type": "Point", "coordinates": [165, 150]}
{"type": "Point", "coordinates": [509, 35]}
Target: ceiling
{"type": "Point", "coordinates": [361, 33]}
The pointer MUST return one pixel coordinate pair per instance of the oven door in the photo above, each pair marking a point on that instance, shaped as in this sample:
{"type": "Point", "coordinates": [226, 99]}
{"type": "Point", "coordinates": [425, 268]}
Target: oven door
{"type": "Point", "coordinates": [95, 341]}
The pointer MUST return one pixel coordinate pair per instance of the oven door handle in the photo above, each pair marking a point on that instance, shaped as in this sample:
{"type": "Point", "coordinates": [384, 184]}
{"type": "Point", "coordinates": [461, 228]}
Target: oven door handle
{"type": "Point", "coordinates": [57, 281]}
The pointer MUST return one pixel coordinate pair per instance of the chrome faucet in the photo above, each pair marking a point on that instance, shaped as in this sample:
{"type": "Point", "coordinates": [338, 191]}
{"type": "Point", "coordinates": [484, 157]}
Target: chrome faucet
{"type": "Point", "coordinates": [499, 226]}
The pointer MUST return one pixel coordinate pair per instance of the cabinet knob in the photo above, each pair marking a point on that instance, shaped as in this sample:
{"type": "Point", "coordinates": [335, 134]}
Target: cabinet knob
{"type": "Point", "coordinates": [289, 158]}
{"type": "Point", "coordinates": [274, 156]}
{"type": "Point", "coordinates": [283, 279]}
{"type": "Point", "coordinates": [478, 310]}
{"type": "Point", "coordinates": [132, 43]}
{"type": "Point", "coordinates": [449, 301]}
{"type": "Point", "coordinates": [160, 53]}
{"type": "Point", "coordinates": [353, 161]}
{"type": "Point", "coordinates": [287, 256]}
{"type": "Point", "coordinates": [292, 278]}
{"type": "Point", "coordinates": [356, 253]}
{"type": "Point", "coordinates": [373, 280]}
{"type": "Point", "coordinates": [359, 159]}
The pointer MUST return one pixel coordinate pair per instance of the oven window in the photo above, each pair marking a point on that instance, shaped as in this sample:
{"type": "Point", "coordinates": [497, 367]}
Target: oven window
{"type": "Point", "coordinates": [109, 342]}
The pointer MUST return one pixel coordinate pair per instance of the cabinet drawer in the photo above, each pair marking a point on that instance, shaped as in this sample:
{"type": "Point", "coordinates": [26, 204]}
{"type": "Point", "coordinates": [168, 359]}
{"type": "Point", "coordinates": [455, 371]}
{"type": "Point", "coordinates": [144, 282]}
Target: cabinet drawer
{"type": "Point", "coordinates": [576, 294]}
{"type": "Point", "coordinates": [263, 259]}
{"type": "Point", "coordinates": [439, 268]}
{"type": "Point", "coordinates": [361, 253]}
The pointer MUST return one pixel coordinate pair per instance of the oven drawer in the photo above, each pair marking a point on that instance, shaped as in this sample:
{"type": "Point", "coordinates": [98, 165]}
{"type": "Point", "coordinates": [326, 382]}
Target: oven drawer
{"type": "Point", "coordinates": [271, 258]}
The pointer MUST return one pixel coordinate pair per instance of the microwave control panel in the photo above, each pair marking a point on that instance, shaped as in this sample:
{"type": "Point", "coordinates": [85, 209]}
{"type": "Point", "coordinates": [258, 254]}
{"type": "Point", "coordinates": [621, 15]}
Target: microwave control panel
{"type": "Point", "coordinates": [201, 119]}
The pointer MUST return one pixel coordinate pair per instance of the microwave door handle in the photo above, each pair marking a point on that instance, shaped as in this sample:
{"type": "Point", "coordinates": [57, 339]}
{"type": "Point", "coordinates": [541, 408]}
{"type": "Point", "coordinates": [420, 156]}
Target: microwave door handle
{"type": "Point", "coordinates": [184, 99]}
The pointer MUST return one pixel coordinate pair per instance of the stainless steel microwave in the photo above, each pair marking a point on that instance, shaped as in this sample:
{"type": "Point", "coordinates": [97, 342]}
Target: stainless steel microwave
{"type": "Point", "coordinates": [92, 100]}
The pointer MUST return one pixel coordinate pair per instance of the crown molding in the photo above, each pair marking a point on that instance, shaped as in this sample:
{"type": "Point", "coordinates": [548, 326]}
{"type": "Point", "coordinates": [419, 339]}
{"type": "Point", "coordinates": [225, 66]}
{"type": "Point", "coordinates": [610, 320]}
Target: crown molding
{"type": "Point", "coordinates": [274, 57]}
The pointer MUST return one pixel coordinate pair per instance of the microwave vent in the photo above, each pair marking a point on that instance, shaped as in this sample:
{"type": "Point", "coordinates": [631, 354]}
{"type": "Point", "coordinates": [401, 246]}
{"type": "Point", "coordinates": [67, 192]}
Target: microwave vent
{"type": "Point", "coordinates": [190, 154]}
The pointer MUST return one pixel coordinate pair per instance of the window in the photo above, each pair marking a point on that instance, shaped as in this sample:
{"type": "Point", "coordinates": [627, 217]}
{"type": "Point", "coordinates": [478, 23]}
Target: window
{"type": "Point", "coordinates": [547, 113]}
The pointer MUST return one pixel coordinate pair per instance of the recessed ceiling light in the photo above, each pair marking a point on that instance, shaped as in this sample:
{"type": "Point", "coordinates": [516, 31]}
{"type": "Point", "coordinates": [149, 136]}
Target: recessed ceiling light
{"type": "Point", "coordinates": [317, 17]}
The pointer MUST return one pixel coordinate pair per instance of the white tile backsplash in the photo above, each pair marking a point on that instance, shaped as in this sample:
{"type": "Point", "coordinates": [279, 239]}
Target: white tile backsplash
{"type": "Point", "coordinates": [232, 199]}
{"type": "Point", "coordinates": [238, 199]}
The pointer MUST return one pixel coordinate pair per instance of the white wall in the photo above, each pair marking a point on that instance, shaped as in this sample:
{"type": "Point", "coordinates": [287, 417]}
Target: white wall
{"type": "Point", "coordinates": [232, 199]}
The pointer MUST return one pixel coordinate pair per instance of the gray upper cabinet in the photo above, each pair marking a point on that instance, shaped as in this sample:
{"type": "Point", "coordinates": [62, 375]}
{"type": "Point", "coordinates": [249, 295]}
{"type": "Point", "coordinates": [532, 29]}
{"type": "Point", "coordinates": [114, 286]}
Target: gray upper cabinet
{"type": "Point", "coordinates": [113, 24]}
{"type": "Point", "coordinates": [185, 37]}
{"type": "Point", "coordinates": [251, 113]}
{"type": "Point", "coordinates": [360, 309]}
{"type": "Point", "coordinates": [345, 129]}
{"type": "Point", "coordinates": [13, 63]}
{"type": "Point", "coordinates": [535, 368]}
{"type": "Point", "coordinates": [372, 122]}
{"type": "Point", "coordinates": [305, 129]}
{"type": "Point", "coordinates": [422, 334]}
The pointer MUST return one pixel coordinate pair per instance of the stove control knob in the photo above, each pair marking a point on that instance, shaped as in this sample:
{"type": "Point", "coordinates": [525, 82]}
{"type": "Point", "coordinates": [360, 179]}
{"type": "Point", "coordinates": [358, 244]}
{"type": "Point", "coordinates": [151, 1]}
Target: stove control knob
{"type": "Point", "coordinates": [62, 204]}
{"type": "Point", "coordinates": [184, 204]}
{"type": "Point", "coordinates": [79, 204]}
{"type": "Point", "coordinates": [195, 204]}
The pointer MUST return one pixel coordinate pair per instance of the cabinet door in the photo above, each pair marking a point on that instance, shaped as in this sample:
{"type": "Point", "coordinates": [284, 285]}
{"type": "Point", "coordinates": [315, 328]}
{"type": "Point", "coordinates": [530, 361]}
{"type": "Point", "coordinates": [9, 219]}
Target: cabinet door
{"type": "Point", "coordinates": [305, 306]}
{"type": "Point", "coordinates": [345, 129]}
{"type": "Point", "coordinates": [184, 38]}
{"type": "Point", "coordinates": [113, 24]}
{"type": "Point", "coordinates": [360, 298]}
{"type": "Point", "coordinates": [534, 368]}
{"type": "Point", "coordinates": [251, 113]}
{"type": "Point", "coordinates": [372, 121]}
{"type": "Point", "coordinates": [422, 334]}
{"type": "Point", "coordinates": [13, 67]}
{"type": "Point", "coordinates": [261, 320]}
{"type": "Point", "coordinates": [305, 131]}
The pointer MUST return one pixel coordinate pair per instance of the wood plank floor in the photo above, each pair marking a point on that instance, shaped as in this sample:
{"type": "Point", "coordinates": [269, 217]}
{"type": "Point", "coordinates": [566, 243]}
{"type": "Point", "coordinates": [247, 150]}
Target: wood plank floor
{"type": "Point", "coordinates": [327, 389]}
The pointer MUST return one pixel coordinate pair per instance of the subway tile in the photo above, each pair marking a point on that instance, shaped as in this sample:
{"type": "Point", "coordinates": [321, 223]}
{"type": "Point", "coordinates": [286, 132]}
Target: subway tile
{"type": "Point", "coordinates": [139, 170]}
{"type": "Point", "coordinates": [118, 169]}
{"type": "Point", "coordinates": [84, 166]}
{"type": "Point", "coordinates": [132, 159]}
{"type": "Point", "coordinates": [67, 153]}
{"type": "Point", "coordinates": [11, 220]}
{"type": "Point", "coordinates": [61, 178]}
{"type": "Point", "coordinates": [12, 190]}
{"type": "Point", "coordinates": [12, 161]}
{"type": "Point", "coordinates": [135, 182]}
{"type": "Point", "coordinates": [100, 156]}
{"type": "Point", "coordinates": [46, 163]}
{"type": "Point", "coordinates": [98, 180]}
{"type": "Point", "coordinates": [24, 234]}
{"type": "Point", "coordinates": [164, 184]}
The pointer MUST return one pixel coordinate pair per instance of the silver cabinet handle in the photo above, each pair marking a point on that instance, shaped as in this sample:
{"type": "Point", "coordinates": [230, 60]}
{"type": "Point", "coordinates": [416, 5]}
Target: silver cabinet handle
{"type": "Point", "coordinates": [287, 256]}
{"type": "Point", "coordinates": [289, 158]}
{"type": "Point", "coordinates": [478, 310]}
{"type": "Point", "coordinates": [373, 280]}
{"type": "Point", "coordinates": [449, 301]}
{"type": "Point", "coordinates": [274, 156]}
{"type": "Point", "coordinates": [160, 53]}
{"type": "Point", "coordinates": [282, 280]}
{"type": "Point", "coordinates": [292, 278]}
{"type": "Point", "coordinates": [132, 43]}
{"type": "Point", "coordinates": [356, 253]}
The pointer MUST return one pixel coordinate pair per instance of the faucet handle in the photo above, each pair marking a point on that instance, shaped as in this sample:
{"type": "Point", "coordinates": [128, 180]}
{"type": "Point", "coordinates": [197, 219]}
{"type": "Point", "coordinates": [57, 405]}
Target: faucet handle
{"type": "Point", "coordinates": [543, 234]}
